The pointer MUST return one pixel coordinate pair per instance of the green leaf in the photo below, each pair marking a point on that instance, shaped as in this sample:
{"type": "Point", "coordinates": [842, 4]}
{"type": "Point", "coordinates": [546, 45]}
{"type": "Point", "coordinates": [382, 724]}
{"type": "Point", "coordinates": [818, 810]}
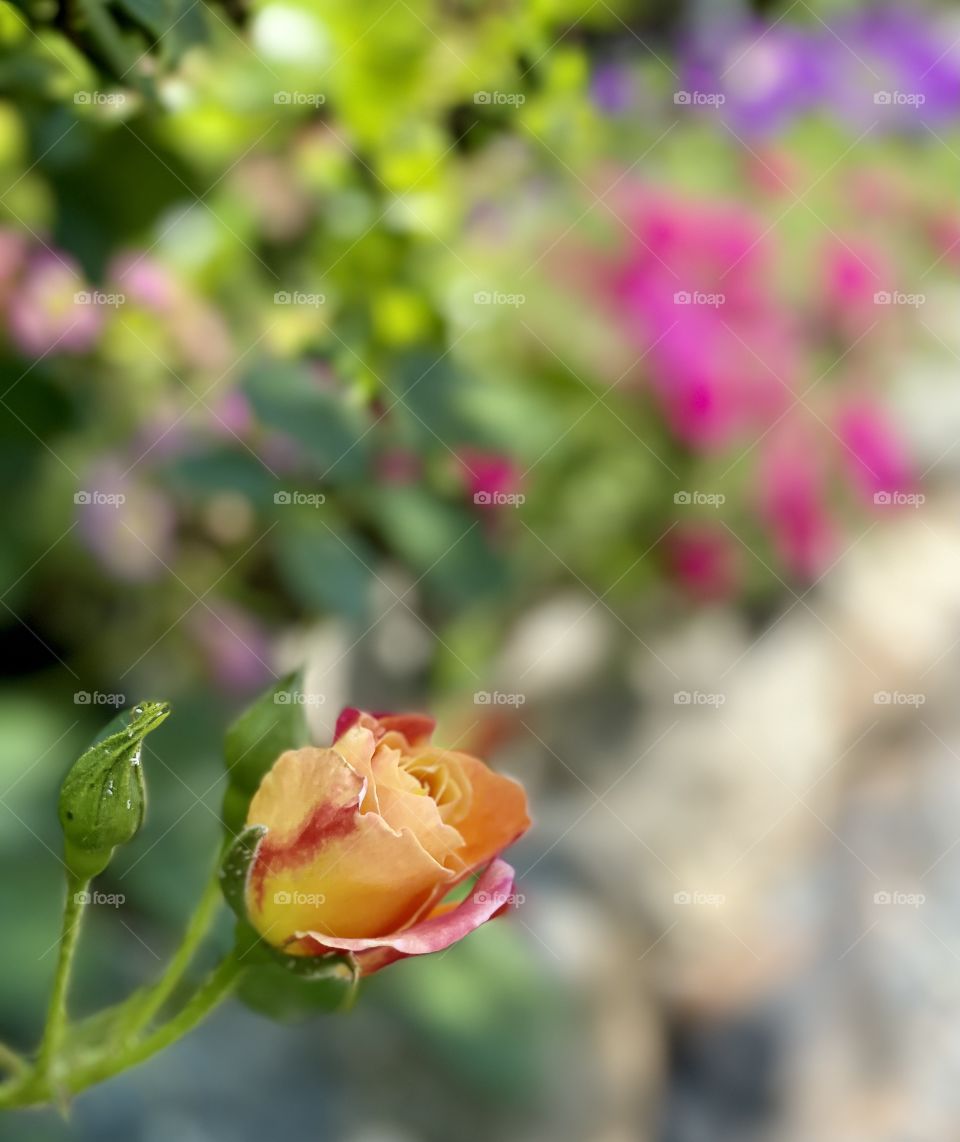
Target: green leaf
{"type": "Point", "coordinates": [275, 722]}
{"type": "Point", "coordinates": [289, 397]}
{"type": "Point", "coordinates": [327, 573]}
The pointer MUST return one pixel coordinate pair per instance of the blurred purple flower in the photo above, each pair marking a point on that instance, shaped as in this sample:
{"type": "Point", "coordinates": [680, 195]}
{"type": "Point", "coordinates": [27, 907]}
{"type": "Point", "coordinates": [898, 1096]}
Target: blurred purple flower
{"type": "Point", "coordinates": [612, 88]}
{"type": "Point", "coordinates": [764, 75]}
{"type": "Point", "coordinates": [235, 647]}
{"type": "Point", "coordinates": [127, 526]}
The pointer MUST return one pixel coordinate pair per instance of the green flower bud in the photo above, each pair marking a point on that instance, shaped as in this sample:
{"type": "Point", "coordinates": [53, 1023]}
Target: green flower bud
{"type": "Point", "coordinates": [102, 799]}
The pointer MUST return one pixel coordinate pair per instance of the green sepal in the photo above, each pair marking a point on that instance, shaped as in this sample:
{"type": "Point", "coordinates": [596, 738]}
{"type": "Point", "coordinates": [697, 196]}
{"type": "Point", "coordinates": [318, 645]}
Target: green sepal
{"type": "Point", "coordinates": [103, 798]}
{"type": "Point", "coordinates": [275, 722]}
{"type": "Point", "coordinates": [235, 867]}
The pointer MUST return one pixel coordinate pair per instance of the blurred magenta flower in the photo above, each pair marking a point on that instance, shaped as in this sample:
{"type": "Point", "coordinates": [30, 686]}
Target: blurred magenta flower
{"type": "Point", "coordinates": [488, 475]}
{"type": "Point", "coordinates": [704, 561]}
{"type": "Point", "coordinates": [693, 293]}
{"type": "Point", "coordinates": [52, 309]}
{"type": "Point", "coordinates": [852, 277]}
{"type": "Point", "coordinates": [873, 452]}
{"type": "Point", "coordinates": [793, 499]}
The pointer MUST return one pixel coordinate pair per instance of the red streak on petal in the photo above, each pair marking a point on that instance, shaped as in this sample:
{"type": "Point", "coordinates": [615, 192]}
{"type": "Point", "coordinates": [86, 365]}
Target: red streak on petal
{"type": "Point", "coordinates": [326, 823]}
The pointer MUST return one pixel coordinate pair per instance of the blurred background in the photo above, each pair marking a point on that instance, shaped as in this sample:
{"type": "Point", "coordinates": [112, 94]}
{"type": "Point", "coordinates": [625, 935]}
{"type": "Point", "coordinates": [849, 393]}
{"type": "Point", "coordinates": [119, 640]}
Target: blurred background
{"type": "Point", "coordinates": [585, 374]}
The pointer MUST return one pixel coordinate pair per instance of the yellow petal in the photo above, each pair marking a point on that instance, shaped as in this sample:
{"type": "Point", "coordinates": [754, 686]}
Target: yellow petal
{"type": "Point", "coordinates": [324, 865]}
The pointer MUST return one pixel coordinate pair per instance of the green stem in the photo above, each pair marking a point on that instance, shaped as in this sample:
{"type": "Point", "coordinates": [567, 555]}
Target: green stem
{"type": "Point", "coordinates": [38, 1088]}
{"type": "Point", "coordinates": [57, 1012]}
{"type": "Point", "coordinates": [10, 1061]}
{"type": "Point", "coordinates": [197, 927]}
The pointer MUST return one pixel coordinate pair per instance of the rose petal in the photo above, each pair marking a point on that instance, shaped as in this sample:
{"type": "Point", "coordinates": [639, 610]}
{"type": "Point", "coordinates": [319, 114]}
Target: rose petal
{"type": "Point", "coordinates": [416, 728]}
{"type": "Point", "coordinates": [491, 895]}
{"type": "Point", "coordinates": [324, 864]}
{"type": "Point", "coordinates": [497, 817]}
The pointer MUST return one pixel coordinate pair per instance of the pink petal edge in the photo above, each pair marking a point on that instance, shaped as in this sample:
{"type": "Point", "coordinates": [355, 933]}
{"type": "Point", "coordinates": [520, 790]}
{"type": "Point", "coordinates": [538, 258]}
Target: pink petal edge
{"type": "Point", "coordinates": [491, 895]}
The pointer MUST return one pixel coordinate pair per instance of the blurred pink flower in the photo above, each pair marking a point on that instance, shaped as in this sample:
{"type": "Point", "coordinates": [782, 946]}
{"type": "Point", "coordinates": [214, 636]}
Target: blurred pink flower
{"type": "Point", "coordinates": [793, 500]}
{"type": "Point", "coordinates": [51, 310]}
{"type": "Point", "coordinates": [488, 474]}
{"type": "Point", "coordinates": [852, 276]}
{"type": "Point", "coordinates": [144, 281]}
{"type": "Point", "coordinates": [873, 452]}
{"type": "Point", "coordinates": [704, 561]}
{"type": "Point", "coordinates": [694, 293]}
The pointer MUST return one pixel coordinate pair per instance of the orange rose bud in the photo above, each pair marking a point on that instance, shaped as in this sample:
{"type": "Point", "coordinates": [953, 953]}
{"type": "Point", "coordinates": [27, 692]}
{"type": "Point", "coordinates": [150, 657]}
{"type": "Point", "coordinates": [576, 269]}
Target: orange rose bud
{"type": "Point", "coordinates": [364, 840]}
